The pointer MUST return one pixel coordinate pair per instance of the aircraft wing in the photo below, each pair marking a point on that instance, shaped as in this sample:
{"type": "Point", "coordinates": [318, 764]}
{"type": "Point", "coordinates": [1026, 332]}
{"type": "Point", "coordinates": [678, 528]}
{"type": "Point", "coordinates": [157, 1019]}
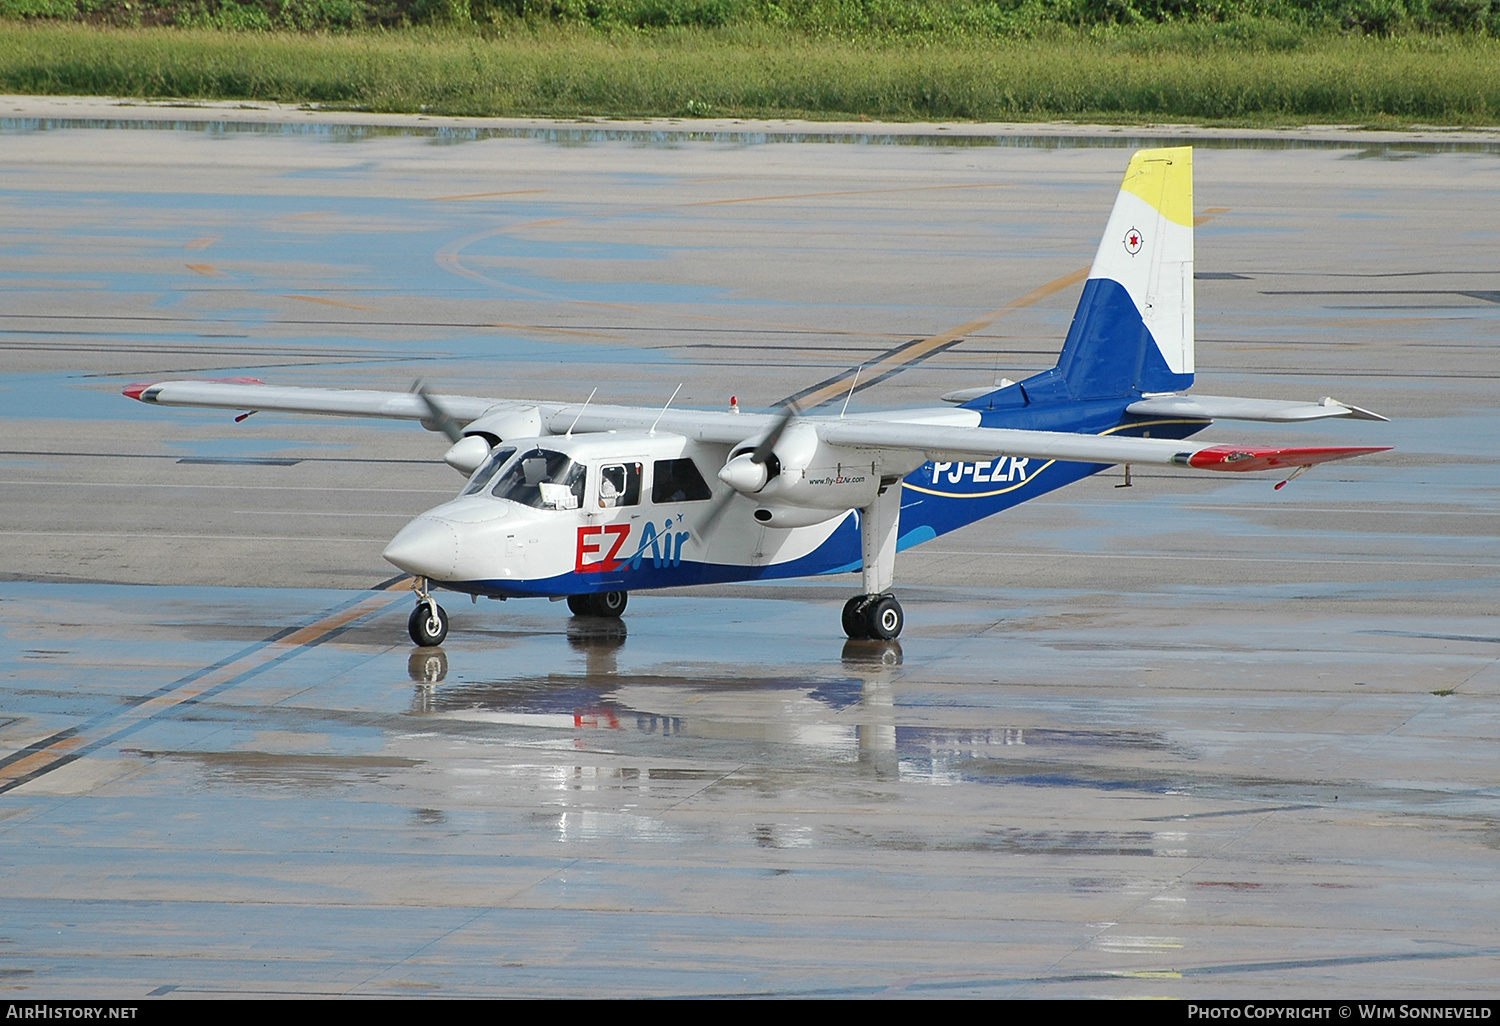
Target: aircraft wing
{"type": "Point", "coordinates": [938, 434]}
{"type": "Point", "coordinates": [939, 442]}
{"type": "Point", "coordinates": [715, 426]}
{"type": "Point", "coordinates": [943, 433]}
{"type": "Point", "coordinates": [250, 394]}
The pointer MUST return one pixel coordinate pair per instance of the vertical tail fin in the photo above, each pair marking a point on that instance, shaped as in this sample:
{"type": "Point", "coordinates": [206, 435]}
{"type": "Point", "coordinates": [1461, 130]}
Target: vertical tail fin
{"type": "Point", "coordinates": [1133, 329]}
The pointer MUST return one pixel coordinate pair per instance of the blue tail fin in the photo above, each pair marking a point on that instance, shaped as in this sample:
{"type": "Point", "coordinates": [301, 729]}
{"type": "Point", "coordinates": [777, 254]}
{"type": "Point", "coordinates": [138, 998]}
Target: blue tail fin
{"type": "Point", "coordinates": [1133, 330]}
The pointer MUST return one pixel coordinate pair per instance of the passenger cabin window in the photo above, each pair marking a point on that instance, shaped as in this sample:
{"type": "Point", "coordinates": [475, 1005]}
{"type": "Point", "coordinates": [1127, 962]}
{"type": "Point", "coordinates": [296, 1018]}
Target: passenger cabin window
{"type": "Point", "coordinates": [678, 481]}
{"type": "Point", "coordinates": [487, 470]}
{"type": "Point", "coordinates": [542, 479]}
{"type": "Point", "coordinates": [619, 485]}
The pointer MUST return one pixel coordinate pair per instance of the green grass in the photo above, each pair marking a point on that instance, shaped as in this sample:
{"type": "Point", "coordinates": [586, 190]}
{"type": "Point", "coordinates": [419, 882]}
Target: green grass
{"type": "Point", "coordinates": [1155, 72]}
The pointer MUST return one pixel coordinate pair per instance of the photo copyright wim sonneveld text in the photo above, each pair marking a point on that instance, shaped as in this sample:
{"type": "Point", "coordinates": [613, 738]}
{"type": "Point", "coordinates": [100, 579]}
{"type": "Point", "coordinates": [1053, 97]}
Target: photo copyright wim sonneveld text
{"type": "Point", "coordinates": [1342, 1011]}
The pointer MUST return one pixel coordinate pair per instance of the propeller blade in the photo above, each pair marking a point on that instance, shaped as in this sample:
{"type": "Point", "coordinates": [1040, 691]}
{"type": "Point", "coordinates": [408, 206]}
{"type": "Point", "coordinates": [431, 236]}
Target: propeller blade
{"type": "Point", "coordinates": [763, 450]}
{"type": "Point", "coordinates": [717, 511]}
{"type": "Point", "coordinates": [440, 418]}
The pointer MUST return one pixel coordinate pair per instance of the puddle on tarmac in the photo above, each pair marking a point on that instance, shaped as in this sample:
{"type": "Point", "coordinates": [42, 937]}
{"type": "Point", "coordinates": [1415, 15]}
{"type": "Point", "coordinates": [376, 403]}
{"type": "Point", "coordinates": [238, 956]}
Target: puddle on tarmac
{"type": "Point", "coordinates": [775, 722]}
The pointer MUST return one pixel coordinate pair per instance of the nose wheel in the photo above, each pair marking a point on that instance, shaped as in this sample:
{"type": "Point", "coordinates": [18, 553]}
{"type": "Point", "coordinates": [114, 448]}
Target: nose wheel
{"type": "Point", "coordinates": [873, 617]}
{"type": "Point", "coordinates": [428, 623]}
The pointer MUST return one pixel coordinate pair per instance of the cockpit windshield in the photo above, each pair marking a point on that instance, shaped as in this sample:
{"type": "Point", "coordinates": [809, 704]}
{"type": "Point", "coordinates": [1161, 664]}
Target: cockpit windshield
{"type": "Point", "coordinates": [487, 470]}
{"type": "Point", "coordinates": [542, 479]}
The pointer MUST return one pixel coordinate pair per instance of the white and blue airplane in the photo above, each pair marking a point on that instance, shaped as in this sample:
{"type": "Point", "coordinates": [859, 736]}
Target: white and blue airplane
{"type": "Point", "coordinates": [589, 502]}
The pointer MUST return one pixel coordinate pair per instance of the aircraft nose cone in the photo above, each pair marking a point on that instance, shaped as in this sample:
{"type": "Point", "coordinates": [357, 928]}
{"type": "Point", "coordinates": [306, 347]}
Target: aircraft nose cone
{"type": "Point", "coordinates": [426, 547]}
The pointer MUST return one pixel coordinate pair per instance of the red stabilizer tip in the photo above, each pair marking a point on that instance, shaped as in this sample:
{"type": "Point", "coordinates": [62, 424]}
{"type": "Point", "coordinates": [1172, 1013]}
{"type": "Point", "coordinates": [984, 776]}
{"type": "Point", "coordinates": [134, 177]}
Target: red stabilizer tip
{"type": "Point", "coordinates": [1229, 457]}
{"type": "Point", "coordinates": [134, 391]}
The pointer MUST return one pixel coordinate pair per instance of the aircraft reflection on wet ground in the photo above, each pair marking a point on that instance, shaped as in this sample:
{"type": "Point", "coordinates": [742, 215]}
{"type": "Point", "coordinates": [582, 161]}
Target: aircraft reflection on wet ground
{"type": "Point", "coordinates": [846, 719]}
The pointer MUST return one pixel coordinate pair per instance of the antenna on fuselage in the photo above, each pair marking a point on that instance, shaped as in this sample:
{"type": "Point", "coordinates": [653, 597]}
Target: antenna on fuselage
{"type": "Point", "coordinates": [852, 387]}
{"type": "Point", "coordinates": [663, 412]}
{"type": "Point", "coordinates": [581, 410]}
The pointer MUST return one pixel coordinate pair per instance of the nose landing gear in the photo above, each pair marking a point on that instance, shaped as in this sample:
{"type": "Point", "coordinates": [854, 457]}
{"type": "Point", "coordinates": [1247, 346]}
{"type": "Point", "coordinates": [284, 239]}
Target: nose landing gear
{"type": "Point", "coordinates": [428, 623]}
{"type": "Point", "coordinates": [873, 617]}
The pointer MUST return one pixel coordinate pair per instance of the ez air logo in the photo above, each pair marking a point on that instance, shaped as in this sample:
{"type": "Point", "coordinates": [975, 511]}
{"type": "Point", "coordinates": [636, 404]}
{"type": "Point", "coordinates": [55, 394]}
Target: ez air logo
{"type": "Point", "coordinates": [1133, 242]}
{"type": "Point", "coordinates": [600, 547]}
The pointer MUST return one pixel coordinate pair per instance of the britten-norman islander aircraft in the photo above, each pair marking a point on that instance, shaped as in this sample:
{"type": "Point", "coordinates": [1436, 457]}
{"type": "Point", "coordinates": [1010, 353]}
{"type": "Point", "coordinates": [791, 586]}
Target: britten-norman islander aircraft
{"type": "Point", "coordinates": [589, 502]}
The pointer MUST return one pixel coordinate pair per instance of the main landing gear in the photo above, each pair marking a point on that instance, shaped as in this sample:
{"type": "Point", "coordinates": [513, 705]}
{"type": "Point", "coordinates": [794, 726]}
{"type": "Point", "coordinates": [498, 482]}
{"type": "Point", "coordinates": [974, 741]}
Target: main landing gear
{"type": "Point", "coordinates": [873, 617]}
{"type": "Point", "coordinates": [601, 603]}
{"type": "Point", "coordinates": [428, 623]}
{"type": "Point", "coordinates": [876, 615]}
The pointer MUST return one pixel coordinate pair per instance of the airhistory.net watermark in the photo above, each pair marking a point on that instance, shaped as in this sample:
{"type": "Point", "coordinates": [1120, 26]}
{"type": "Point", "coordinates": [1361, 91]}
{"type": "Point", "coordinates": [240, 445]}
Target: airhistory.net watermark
{"type": "Point", "coordinates": [69, 1010]}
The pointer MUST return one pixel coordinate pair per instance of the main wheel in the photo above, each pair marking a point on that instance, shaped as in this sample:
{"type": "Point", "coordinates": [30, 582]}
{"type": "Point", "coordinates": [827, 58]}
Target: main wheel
{"type": "Point", "coordinates": [580, 605]}
{"type": "Point", "coordinates": [428, 624]}
{"type": "Point", "coordinates": [883, 618]}
{"type": "Point", "coordinates": [609, 603]}
{"type": "Point", "coordinates": [854, 623]}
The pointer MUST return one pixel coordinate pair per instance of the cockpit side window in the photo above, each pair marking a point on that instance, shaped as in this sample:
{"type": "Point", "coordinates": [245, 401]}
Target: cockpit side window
{"type": "Point", "coordinates": [542, 479]}
{"type": "Point", "coordinates": [487, 470]}
{"type": "Point", "coordinates": [678, 481]}
{"type": "Point", "coordinates": [619, 485]}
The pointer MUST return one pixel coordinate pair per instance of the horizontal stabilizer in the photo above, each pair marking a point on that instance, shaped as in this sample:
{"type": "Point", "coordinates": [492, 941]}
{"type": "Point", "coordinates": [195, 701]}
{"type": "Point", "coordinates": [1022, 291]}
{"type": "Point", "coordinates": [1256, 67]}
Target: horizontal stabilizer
{"type": "Point", "coordinates": [968, 395]}
{"type": "Point", "coordinates": [1227, 407]}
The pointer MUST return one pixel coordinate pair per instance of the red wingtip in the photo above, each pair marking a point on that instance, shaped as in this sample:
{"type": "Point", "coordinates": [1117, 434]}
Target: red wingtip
{"type": "Point", "coordinates": [137, 391]}
{"type": "Point", "coordinates": [1230, 457]}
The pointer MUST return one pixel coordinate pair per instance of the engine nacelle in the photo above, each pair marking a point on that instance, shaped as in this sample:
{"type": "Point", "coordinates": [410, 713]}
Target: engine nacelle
{"type": "Point", "coordinates": [509, 422]}
{"type": "Point", "coordinates": [805, 472]}
{"type": "Point", "coordinates": [488, 431]}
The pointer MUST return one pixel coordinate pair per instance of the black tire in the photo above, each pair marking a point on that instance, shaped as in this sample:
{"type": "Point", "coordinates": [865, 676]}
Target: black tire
{"type": "Point", "coordinates": [854, 623]}
{"type": "Point", "coordinates": [610, 603]}
{"type": "Point", "coordinates": [428, 624]}
{"type": "Point", "coordinates": [884, 619]}
{"type": "Point", "coordinates": [579, 605]}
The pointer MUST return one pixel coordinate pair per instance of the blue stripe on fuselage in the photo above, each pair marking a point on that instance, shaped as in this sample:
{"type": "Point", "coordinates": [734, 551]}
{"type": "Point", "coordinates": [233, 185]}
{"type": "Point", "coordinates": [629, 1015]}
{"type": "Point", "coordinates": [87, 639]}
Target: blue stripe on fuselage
{"type": "Point", "coordinates": [833, 556]}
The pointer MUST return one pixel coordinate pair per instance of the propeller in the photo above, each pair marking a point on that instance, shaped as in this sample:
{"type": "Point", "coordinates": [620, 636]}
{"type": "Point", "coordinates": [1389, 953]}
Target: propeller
{"type": "Point", "coordinates": [765, 450]}
{"type": "Point", "coordinates": [761, 456]}
{"type": "Point", "coordinates": [466, 453]}
{"type": "Point", "coordinates": [439, 416]}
